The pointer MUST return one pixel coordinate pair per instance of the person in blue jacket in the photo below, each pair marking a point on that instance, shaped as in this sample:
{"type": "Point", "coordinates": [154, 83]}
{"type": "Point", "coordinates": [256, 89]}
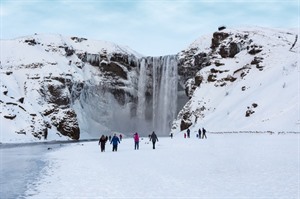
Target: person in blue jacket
{"type": "Point", "coordinates": [115, 141]}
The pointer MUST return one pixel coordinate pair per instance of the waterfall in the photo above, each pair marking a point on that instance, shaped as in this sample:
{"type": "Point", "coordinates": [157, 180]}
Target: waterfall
{"type": "Point", "coordinates": [141, 90]}
{"type": "Point", "coordinates": [157, 93]}
{"type": "Point", "coordinates": [165, 97]}
{"type": "Point", "coordinates": [147, 103]}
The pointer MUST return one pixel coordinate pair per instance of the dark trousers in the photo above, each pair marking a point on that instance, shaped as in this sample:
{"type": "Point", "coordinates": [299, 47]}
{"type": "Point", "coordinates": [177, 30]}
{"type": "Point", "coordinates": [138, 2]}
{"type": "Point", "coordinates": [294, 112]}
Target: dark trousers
{"type": "Point", "coordinates": [153, 145]}
{"type": "Point", "coordinates": [204, 135]}
{"type": "Point", "coordinates": [102, 146]}
{"type": "Point", "coordinates": [136, 145]}
{"type": "Point", "coordinates": [115, 148]}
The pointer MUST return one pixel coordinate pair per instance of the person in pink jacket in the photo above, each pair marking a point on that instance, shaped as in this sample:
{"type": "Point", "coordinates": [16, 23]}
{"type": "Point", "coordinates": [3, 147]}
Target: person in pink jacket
{"type": "Point", "coordinates": [136, 141]}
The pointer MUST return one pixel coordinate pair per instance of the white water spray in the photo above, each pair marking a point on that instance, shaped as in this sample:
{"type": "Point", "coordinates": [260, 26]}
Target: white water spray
{"type": "Point", "coordinates": [162, 82]}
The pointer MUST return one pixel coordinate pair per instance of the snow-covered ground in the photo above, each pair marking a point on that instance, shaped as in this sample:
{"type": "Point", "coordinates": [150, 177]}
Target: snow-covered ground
{"type": "Point", "coordinates": [222, 166]}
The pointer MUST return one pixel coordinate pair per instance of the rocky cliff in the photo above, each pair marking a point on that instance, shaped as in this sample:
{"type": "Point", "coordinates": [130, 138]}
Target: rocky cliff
{"type": "Point", "coordinates": [243, 79]}
{"type": "Point", "coordinates": [47, 79]}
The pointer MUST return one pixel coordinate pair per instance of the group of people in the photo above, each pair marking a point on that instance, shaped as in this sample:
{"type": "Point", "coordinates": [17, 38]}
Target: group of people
{"type": "Point", "coordinates": [115, 140]}
{"type": "Point", "coordinates": [200, 135]}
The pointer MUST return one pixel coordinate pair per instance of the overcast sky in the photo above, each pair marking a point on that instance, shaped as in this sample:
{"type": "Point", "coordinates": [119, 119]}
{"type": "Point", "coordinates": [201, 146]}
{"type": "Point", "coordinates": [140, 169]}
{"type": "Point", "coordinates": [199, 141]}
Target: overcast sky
{"type": "Point", "coordinates": [151, 27]}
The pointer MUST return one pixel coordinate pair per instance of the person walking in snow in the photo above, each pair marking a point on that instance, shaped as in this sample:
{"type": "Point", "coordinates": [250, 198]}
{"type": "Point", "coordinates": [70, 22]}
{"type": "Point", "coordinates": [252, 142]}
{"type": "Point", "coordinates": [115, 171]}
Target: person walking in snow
{"type": "Point", "coordinates": [153, 138]}
{"type": "Point", "coordinates": [121, 137]}
{"type": "Point", "coordinates": [102, 142]}
{"type": "Point", "coordinates": [199, 133]}
{"type": "Point", "coordinates": [136, 141]}
{"type": "Point", "coordinates": [204, 133]}
{"type": "Point", "coordinates": [115, 141]}
{"type": "Point", "coordinates": [188, 133]}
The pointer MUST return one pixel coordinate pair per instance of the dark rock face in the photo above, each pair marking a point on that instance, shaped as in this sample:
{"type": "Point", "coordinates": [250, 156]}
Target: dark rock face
{"type": "Point", "coordinates": [31, 42]}
{"type": "Point", "coordinates": [201, 59]}
{"type": "Point", "coordinates": [69, 51]}
{"type": "Point", "coordinates": [114, 69]}
{"type": "Point", "coordinates": [57, 96]}
{"type": "Point", "coordinates": [230, 51]}
{"type": "Point", "coordinates": [67, 125]}
{"type": "Point", "coordinates": [78, 39]}
{"type": "Point", "coordinates": [198, 80]}
{"type": "Point", "coordinates": [217, 38]}
{"type": "Point", "coordinates": [254, 49]}
{"type": "Point", "coordinates": [21, 100]}
{"type": "Point", "coordinates": [185, 124]}
{"type": "Point", "coordinates": [234, 49]}
{"type": "Point", "coordinates": [11, 117]}
{"type": "Point", "coordinates": [52, 93]}
{"type": "Point", "coordinates": [190, 63]}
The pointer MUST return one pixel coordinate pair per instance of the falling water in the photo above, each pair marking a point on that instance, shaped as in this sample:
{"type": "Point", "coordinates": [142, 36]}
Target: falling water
{"type": "Point", "coordinates": [158, 77]}
{"type": "Point", "coordinates": [150, 104]}
{"type": "Point", "coordinates": [141, 90]}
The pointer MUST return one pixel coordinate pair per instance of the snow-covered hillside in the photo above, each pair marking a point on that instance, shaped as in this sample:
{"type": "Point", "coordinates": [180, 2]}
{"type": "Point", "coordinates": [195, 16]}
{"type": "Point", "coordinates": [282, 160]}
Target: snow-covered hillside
{"type": "Point", "coordinates": [43, 77]}
{"type": "Point", "coordinates": [60, 87]}
{"type": "Point", "coordinates": [245, 80]}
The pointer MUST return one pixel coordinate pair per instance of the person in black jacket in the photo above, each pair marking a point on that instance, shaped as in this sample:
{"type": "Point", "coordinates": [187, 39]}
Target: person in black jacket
{"type": "Point", "coordinates": [153, 137]}
{"type": "Point", "coordinates": [102, 142]}
{"type": "Point", "coordinates": [188, 133]}
{"type": "Point", "coordinates": [204, 133]}
{"type": "Point", "coordinates": [199, 133]}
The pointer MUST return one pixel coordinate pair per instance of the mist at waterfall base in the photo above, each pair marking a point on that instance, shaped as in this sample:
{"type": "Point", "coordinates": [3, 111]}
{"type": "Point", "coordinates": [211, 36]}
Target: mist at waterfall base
{"type": "Point", "coordinates": [155, 107]}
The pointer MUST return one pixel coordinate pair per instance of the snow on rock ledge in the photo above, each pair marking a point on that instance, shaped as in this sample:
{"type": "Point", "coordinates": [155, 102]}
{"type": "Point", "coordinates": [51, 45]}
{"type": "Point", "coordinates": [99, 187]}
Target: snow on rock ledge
{"type": "Point", "coordinates": [230, 72]}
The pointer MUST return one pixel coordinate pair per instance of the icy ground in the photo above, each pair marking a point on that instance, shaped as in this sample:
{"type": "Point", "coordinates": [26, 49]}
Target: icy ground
{"type": "Point", "coordinates": [235, 166]}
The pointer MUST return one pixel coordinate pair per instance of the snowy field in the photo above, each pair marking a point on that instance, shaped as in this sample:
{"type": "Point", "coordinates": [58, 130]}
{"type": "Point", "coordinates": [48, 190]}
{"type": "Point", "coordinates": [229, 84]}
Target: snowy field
{"type": "Point", "coordinates": [235, 166]}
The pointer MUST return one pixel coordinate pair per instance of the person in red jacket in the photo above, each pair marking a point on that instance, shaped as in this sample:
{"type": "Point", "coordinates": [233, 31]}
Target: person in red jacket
{"type": "Point", "coordinates": [136, 141]}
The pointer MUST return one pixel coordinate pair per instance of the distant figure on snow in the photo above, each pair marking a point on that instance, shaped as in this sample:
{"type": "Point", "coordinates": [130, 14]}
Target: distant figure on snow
{"type": "Point", "coordinates": [46, 134]}
{"type": "Point", "coordinates": [153, 138]}
{"type": "Point", "coordinates": [136, 141]}
{"type": "Point", "coordinates": [115, 141]}
{"type": "Point", "coordinates": [102, 142]}
{"type": "Point", "coordinates": [196, 118]}
{"type": "Point", "coordinates": [171, 135]}
{"type": "Point", "coordinates": [199, 133]}
{"type": "Point", "coordinates": [121, 137]}
{"type": "Point", "coordinates": [188, 133]}
{"type": "Point", "coordinates": [109, 138]}
{"type": "Point", "coordinates": [204, 133]}
{"type": "Point", "coordinates": [184, 135]}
